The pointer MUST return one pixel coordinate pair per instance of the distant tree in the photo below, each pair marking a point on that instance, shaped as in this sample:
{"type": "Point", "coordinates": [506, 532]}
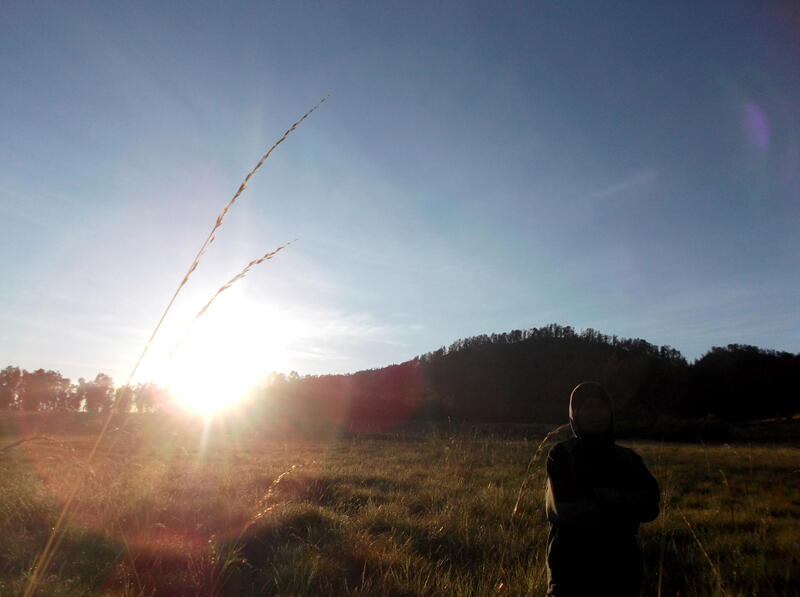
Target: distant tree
{"type": "Point", "coordinates": [10, 379]}
{"type": "Point", "coordinates": [72, 397]}
{"type": "Point", "coordinates": [142, 398]}
{"type": "Point", "coordinates": [28, 396]}
{"type": "Point", "coordinates": [123, 399]}
{"type": "Point", "coordinates": [60, 395]}
{"type": "Point", "coordinates": [79, 392]}
{"type": "Point", "coordinates": [276, 378]}
{"type": "Point", "coordinates": [99, 394]}
{"type": "Point", "coordinates": [43, 390]}
{"type": "Point", "coordinates": [148, 397]}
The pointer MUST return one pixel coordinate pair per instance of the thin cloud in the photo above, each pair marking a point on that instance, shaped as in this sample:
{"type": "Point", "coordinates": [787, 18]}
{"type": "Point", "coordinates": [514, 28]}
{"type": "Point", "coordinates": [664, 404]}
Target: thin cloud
{"type": "Point", "coordinates": [361, 326]}
{"type": "Point", "coordinates": [318, 354]}
{"type": "Point", "coordinates": [641, 178]}
{"type": "Point", "coordinates": [335, 342]}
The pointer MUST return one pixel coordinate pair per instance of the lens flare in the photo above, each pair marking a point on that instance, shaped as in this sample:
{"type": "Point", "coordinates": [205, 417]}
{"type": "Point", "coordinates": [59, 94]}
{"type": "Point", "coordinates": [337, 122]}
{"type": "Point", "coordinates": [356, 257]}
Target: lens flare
{"type": "Point", "coordinates": [756, 125]}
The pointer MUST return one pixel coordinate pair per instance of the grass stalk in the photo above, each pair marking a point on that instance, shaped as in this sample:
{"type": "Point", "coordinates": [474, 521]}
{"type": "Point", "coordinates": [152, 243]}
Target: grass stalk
{"type": "Point", "coordinates": [542, 443]}
{"type": "Point", "coordinates": [212, 235]}
{"type": "Point", "coordinates": [54, 539]}
{"type": "Point", "coordinates": [705, 553]}
{"type": "Point", "coordinates": [226, 286]}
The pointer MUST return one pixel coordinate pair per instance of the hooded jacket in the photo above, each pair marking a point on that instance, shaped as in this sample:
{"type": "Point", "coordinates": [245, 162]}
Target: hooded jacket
{"type": "Point", "coordinates": [597, 495]}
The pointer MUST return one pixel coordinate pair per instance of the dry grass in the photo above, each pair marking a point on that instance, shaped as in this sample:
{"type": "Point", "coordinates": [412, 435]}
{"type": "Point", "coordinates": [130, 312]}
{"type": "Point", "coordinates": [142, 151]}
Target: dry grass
{"type": "Point", "coordinates": [171, 508]}
{"type": "Point", "coordinates": [245, 270]}
{"type": "Point", "coordinates": [213, 234]}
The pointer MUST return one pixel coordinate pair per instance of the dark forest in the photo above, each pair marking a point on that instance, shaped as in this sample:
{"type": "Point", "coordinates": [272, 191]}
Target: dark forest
{"type": "Point", "coordinates": [521, 376]}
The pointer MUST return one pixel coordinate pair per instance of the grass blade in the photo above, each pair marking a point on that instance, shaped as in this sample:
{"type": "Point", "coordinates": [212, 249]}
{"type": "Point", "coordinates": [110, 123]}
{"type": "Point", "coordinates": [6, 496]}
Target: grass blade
{"type": "Point", "coordinates": [227, 285]}
{"type": "Point", "coordinates": [39, 569]}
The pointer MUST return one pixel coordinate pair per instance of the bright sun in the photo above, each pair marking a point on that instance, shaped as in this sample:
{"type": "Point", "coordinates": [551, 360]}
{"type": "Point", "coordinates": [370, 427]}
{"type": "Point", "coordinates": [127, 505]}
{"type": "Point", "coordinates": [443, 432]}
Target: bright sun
{"type": "Point", "coordinates": [233, 346]}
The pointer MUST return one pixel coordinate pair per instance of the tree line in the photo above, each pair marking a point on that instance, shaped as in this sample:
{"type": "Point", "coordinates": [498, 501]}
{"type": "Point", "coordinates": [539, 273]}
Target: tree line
{"type": "Point", "coordinates": [48, 390]}
{"type": "Point", "coordinates": [521, 376]}
{"type": "Point", "coordinates": [526, 376]}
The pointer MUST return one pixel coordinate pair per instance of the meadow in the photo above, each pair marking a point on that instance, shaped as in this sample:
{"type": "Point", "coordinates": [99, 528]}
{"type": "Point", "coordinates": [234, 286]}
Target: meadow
{"type": "Point", "coordinates": [176, 507]}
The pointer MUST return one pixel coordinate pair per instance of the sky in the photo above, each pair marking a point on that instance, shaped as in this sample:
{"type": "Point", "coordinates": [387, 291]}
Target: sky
{"type": "Point", "coordinates": [477, 168]}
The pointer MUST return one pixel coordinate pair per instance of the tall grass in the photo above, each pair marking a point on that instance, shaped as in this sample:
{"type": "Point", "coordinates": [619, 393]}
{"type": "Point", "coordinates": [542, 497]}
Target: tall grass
{"type": "Point", "coordinates": [401, 514]}
{"type": "Point", "coordinates": [54, 539]}
{"type": "Point", "coordinates": [245, 270]}
{"type": "Point", "coordinates": [547, 438]}
{"type": "Point", "coordinates": [212, 235]}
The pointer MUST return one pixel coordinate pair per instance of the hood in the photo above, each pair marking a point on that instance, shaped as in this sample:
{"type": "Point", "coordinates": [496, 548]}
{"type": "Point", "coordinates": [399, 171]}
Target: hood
{"type": "Point", "coordinates": [583, 392]}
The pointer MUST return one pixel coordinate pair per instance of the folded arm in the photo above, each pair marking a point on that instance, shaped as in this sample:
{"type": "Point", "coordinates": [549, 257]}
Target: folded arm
{"type": "Point", "coordinates": [640, 498]}
{"type": "Point", "coordinates": [567, 505]}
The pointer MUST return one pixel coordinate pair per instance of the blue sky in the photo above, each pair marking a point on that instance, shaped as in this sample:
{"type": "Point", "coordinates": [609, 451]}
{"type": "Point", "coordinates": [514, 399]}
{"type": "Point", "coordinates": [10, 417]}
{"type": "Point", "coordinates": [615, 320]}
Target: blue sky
{"type": "Point", "coordinates": [477, 168]}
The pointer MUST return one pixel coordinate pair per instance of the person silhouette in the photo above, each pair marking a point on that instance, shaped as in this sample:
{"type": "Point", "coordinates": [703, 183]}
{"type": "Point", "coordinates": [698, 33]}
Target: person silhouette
{"type": "Point", "coordinates": [597, 495]}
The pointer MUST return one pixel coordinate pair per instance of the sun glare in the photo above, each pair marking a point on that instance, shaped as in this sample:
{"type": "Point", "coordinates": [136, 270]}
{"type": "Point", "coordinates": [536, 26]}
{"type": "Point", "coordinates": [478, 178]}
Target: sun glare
{"type": "Point", "coordinates": [229, 350]}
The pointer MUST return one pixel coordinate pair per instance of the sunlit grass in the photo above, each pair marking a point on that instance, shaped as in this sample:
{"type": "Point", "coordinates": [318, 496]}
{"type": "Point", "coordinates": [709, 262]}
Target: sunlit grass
{"type": "Point", "coordinates": [172, 509]}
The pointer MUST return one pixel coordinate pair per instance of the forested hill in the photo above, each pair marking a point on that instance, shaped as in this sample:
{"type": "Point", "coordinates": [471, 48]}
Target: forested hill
{"type": "Point", "coordinates": [525, 376]}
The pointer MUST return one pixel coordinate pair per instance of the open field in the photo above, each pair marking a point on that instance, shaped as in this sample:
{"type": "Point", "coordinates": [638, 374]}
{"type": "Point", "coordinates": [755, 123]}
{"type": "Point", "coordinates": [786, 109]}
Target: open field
{"type": "Point", "coordinates": [170, 508]}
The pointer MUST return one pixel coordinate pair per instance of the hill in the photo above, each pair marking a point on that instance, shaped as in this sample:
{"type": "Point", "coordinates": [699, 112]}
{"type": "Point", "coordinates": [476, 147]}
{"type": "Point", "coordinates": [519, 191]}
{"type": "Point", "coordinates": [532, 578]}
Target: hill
{"type": "Point", "coordinates": [525, 376]}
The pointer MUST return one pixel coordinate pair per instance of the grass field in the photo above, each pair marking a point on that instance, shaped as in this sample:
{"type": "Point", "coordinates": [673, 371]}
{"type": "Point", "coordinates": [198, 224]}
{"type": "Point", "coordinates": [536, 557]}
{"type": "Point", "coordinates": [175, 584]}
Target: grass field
{"type": "Point", "coordinates": [171, 508]}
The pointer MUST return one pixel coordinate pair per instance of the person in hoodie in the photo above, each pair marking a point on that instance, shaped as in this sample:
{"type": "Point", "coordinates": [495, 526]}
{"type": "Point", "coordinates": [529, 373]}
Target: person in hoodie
{"type": "Point", "coordinates": [597, 495]}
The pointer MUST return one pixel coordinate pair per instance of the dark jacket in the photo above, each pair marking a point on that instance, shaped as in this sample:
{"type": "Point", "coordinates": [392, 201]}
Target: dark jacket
{"type": "Point", "coordinates": [597, 494]}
